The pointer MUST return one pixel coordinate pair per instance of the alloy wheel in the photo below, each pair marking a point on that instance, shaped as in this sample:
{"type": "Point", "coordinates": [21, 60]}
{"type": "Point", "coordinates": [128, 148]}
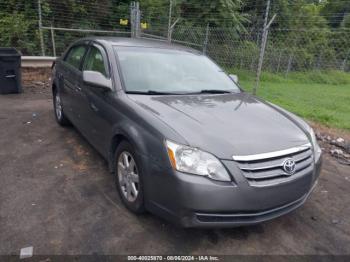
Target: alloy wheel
{"type": "Point", "coordinates": [128, 176]}
{"type": "Point", "coordinates": [58, 107]}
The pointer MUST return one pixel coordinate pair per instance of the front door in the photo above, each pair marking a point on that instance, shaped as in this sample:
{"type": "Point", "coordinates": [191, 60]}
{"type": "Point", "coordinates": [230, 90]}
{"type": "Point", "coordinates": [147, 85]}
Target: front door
{"type": "Point", "coordinates": [94, 104]}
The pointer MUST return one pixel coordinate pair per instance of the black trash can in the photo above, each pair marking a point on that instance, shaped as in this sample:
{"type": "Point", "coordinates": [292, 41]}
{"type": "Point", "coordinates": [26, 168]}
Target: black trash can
{"type": "Point", "coordinates": [10, 71]}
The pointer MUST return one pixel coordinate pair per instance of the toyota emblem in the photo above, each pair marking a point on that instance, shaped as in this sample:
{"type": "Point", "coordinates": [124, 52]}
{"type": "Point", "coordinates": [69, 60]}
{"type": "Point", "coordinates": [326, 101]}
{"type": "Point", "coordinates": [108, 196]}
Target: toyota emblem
{"type": "Point", "coordinates": [289, 166]}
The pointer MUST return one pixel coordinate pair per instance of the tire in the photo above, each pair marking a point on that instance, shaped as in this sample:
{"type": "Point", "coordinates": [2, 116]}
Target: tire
{"type": "Point", "coordinates": [128, 178]}
{"type": "Point", "coordinates": [58, 110]}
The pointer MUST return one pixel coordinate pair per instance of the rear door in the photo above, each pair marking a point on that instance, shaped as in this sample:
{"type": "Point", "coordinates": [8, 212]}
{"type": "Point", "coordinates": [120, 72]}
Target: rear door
{"type": "Point", "coordinates": [70, 76]}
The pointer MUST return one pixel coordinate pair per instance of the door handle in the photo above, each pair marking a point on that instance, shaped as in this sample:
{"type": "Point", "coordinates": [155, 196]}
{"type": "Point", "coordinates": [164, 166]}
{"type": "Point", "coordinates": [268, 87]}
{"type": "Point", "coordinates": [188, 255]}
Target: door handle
{"type": "Point", "coordinates": [10, 76]}
{"type": "Point", "coordinates": [77, 88]}
{"type": "Point", "coordinates": [94, 107]}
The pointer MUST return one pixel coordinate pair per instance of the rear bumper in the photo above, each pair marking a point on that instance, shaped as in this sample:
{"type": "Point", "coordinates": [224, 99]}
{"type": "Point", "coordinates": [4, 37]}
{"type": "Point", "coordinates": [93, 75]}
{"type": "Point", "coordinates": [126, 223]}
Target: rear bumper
{"type": "Point", "coordinates": [194, 201]}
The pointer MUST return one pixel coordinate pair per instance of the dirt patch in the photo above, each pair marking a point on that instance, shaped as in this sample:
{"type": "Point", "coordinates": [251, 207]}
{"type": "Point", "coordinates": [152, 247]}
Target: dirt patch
{"type": "Point", "coordinates": [334, 142]}
{"type": "Point", "coordinates": [79, 155]}
{"type": "Point", "coordinates": [333, 132]}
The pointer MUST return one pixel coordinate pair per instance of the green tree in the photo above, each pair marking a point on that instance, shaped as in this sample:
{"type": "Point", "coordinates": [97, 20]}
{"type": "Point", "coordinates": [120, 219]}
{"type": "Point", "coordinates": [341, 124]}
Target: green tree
{"type": "Point", "coordinates": [17, 31]}
{"type": "Point", "coordinates": [221, 13]}
{"type": "Point", "coordinates": [335, 12]}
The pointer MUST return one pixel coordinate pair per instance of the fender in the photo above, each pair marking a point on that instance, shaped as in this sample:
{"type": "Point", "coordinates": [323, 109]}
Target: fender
{"type": "Point", "coordinates": [125, 130]}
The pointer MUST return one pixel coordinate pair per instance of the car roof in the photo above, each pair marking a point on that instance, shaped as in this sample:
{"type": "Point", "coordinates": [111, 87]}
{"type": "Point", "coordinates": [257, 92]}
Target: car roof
{"type": "Point", "coordinates": [139, 42]}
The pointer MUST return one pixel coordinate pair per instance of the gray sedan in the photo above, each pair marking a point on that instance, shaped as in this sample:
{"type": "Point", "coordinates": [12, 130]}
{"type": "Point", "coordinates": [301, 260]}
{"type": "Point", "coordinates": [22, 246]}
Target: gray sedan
{"type": "Point", "coordinates": [181, 138]}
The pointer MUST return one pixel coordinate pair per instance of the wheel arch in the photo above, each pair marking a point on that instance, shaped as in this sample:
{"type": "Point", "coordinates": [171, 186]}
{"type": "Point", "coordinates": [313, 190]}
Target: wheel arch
{"type": "Point", "coordinates": [54, 88]}
{"type": "Point", "coordinates": [119, 136]}
{"type": "Point", "coordinates": [115, 142]}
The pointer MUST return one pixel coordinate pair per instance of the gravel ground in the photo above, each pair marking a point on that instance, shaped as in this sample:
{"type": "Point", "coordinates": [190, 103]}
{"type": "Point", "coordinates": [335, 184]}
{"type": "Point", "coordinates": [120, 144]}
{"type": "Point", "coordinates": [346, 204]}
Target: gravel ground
{"type": "Point", "coordinates": [57, 195]}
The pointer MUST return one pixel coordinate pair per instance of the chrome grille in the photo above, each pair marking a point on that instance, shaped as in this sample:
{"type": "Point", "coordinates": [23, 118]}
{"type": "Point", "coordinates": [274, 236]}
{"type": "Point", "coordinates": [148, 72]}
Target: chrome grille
{"type": "Point", "coordinates": [267, 169]}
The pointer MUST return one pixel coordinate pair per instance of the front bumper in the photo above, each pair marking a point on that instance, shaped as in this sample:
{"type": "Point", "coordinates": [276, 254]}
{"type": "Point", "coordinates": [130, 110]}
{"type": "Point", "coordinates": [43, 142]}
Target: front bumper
{"type": "Point", "coordinates": [194, 201]}
{"type": "Point", "coordinates": [241, 219]}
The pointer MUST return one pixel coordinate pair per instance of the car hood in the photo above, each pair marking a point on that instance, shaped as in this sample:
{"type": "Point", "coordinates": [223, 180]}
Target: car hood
{"type": "Point", "coordinates": [225, 124]}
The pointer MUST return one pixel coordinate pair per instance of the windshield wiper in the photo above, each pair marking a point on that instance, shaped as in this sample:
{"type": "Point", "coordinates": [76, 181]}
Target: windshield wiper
{"type": "Point", "coordinates": [205, 91]}
{"type": "Point", "coordinates": [214, 91]}
{"type": "Point", "coordinates": [151, 92]}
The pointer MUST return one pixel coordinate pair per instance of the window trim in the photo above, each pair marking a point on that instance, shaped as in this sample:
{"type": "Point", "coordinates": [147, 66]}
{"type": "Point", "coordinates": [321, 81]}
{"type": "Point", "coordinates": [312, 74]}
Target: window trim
{"type": "Point", "coordinates": [119, 69]}
{"type": "Point", "coordinates": [104, 57]}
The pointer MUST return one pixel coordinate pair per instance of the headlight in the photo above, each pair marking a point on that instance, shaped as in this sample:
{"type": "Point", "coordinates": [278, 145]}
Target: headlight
{"type": "Point", "coordinates": [194, 161]}
{"type": "Point", "coordinates": [316, 147]}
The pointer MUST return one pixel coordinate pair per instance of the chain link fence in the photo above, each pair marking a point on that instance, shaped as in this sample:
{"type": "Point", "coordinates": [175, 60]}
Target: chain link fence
{"type": "Point", "coordinates": [286, 50]}
{"type": "Point", "coordinates": [300, 50]}
{"type": "Point", "coordinates": [47, 28]}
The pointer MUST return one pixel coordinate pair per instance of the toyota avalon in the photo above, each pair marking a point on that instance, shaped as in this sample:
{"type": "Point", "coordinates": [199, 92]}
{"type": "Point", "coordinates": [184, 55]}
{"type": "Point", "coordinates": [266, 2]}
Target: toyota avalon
{"type": "Point", "coordinates": [180, 136]}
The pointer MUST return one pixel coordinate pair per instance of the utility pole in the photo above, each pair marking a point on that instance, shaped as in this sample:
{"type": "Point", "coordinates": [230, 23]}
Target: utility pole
{"type": "Point", "coordinates": [138, 20]}
{"type": "Point", "coordinates": [206, 40]}
{"type": "Point", "coordinates": [169, 21]}
{"type": "Point", "coordinates": [343, 66]}
{"type": "Point", "coordinates": [170, 24]}
{"type": "Point", "coordinates": [41, 29]}
{"type": "Point", "coordinates": [53, 41]}
{"type": "Point", "coordinates": [135, 19]}
{"type": "Point", "coordinates": [132, 20]}
{"type": "Point", "coordinates": [263, 45]}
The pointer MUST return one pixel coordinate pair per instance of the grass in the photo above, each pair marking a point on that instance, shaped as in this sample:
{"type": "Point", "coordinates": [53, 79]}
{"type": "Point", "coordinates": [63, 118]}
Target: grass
{"type": "Point", "coordinates": [323, 97]}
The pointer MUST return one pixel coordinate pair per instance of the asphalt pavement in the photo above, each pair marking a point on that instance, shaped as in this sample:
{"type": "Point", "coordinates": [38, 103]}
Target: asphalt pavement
{"type": "Point", "coordinates": [57, 196]}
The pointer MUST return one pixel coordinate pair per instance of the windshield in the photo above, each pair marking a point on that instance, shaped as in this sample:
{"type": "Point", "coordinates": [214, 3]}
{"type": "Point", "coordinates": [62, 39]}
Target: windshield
{"type": "Point", "coordinates": [150, 70]}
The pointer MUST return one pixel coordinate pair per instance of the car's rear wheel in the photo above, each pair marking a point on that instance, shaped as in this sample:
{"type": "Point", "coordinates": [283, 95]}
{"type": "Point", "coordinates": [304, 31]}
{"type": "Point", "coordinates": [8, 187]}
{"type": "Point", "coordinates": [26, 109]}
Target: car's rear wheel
{"type": "Point", "coordinates": [128, 178]}
{"type": "Point", "coordinates": [59, 114]}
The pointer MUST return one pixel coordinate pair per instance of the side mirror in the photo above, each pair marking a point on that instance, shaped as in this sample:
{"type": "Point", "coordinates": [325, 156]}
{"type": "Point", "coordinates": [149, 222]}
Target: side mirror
{"type": "Point", "coordinates": [97, 79]}
{"type": "Point", "coordinates": [234, 78]}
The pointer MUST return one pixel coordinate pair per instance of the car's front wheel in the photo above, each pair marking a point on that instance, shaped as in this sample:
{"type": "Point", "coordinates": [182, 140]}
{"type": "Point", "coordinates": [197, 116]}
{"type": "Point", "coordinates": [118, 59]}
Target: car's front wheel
{"type": "Point", "coordinates": [128, 178]}
{"type": "Point", "coordinates": [59, 114]}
